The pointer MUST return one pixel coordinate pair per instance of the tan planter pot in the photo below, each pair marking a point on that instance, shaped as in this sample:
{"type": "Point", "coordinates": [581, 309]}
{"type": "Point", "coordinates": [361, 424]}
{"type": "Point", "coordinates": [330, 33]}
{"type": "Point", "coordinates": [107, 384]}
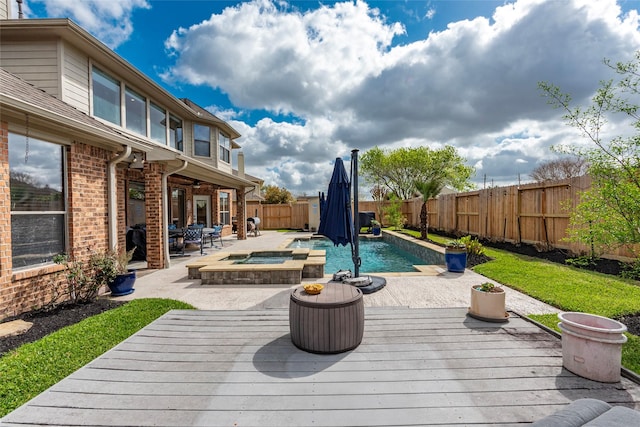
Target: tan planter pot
{"type": "Point", "coordinates": [488, 306]}
{"type": "Point", "coordinates": [592, 345]}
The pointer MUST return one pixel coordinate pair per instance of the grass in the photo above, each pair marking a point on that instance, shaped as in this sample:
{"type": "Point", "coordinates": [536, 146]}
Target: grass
{"type": "Point", "coordinates": [565, 287]}
{"type": "Point", "coordinates": [34, 367]}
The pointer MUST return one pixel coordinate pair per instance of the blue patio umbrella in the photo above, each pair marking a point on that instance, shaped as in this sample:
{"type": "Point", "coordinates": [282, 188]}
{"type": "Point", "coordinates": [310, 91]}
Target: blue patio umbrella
{"type": "Point", "coordinates": [335, 217]}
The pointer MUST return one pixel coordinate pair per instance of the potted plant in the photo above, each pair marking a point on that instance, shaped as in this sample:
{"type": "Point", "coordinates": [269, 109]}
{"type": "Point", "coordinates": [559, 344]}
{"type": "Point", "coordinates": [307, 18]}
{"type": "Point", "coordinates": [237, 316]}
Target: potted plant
{"type": "Point", "coordinates": [112, 270]}
{"type": "Point", "coordinates": [375, 227]}
{"type": "Point", "coordinates": [488, 303]}
{"type": "Point", "coordinates": [455, 256]}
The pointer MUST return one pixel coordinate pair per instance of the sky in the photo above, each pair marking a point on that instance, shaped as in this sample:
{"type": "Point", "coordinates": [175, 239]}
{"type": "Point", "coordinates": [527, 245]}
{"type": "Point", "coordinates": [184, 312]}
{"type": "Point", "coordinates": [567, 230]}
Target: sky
{"type": "Point", "coordinates": [305, 82]}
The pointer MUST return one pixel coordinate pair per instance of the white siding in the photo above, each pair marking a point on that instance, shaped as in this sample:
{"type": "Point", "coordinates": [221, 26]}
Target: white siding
{"type": "Point", "coordinates": [224, 167]}
{"type": "Point", "coordinates": [187, 138]}
{"type": "Point", "coordinates": [75, 78]}
{"type": "Point", "coordinates": [5, 9]}
{"type": "Point", "coordinates": [35, 62]}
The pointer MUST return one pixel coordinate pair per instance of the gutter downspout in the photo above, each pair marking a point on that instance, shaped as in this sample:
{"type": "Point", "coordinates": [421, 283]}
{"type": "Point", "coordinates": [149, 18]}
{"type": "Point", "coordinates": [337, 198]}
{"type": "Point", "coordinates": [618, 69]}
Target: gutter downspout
{"type": "Point", "coordinates": [112, 197]}
{"type": "Point", "coordinates": [165, 209]}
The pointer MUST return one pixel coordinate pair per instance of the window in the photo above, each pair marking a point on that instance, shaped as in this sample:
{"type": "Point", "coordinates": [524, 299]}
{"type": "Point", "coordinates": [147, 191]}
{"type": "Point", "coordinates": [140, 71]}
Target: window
{"type": "Point", "coordinates": [224, 208]}
{"type": "Point", "coordinates": [38, 210]}
{"type": "Point", "coordinates": [136, 214]}
{"type": "Point", "coordinates": [175, 133]}
{"type": "Point", "coordinates": [136, 112]}
{"type": "Point", "coordinates": [158, 121]}
{"type": "Point", "coordinates": [225, 148]}
{"type": "Point", "coordinates": [201, 141]}
{"type": "Point", "coordinates": [106, 97]}
{"type": "Point", "coordinates": [177, 208]}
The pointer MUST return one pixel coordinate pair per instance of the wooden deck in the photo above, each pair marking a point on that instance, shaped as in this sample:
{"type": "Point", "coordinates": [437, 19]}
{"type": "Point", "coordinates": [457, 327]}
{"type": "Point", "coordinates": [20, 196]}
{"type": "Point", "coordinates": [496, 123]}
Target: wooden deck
{"type": "Point", "coordinates": [239, 368]}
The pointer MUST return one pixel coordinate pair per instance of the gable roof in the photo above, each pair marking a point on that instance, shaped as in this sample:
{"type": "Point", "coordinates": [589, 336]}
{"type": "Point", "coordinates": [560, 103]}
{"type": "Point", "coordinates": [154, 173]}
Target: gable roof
{"type": "Point", "coordinates": [205, 115]}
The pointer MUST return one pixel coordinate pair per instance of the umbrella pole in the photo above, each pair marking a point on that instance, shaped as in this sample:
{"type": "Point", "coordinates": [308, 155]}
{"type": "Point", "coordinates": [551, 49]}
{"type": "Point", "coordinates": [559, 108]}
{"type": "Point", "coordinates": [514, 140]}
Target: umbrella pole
{"type": "Point", "coordinates": [356, 215]}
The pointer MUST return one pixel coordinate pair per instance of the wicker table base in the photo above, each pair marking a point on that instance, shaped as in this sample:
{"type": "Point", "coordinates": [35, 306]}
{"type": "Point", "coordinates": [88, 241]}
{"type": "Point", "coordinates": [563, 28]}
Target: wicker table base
{"type": "Point", "coordinates": [330, 322]}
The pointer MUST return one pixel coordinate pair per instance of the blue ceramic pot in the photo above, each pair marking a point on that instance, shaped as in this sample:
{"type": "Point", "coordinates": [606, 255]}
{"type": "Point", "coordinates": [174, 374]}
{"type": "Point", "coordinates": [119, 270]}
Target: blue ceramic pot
{"type": "Point", "coordinates": [456, 260]}
{"type": "Point", "coordinates": [123, 284]}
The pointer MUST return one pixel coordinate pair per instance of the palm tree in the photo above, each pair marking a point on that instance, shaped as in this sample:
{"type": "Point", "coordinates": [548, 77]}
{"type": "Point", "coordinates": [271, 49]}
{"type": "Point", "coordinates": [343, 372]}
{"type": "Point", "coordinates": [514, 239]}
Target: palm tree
{"type": "Point", "coordinates": [428, 189]}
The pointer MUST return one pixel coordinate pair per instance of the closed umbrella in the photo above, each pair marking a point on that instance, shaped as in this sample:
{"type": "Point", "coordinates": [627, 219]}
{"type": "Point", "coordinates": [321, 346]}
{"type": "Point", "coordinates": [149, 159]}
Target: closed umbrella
{"type": "Point", "coordinates": [335, 217]}
{"type": "Point", "coordinates": [337, 225]}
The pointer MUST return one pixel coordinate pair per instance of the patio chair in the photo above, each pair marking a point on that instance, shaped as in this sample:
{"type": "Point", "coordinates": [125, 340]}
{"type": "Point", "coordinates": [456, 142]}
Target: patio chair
{"type": "Point", "coordinates": [216, 234]}
{"type": "Point", "coordinates": [193, 235]}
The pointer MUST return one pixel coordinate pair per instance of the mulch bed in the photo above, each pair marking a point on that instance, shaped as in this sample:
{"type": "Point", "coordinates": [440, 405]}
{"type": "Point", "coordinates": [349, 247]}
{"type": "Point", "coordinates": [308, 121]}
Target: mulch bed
{"type": "Point", "coordinates": [46, 322]}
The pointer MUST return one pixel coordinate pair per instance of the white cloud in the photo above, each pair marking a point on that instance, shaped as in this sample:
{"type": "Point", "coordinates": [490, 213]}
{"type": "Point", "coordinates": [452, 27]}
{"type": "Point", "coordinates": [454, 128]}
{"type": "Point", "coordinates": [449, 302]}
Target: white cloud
{"type": "Point", "coordinates": [430, 13]}
{"type": "Point", "coordinates": [283, 61]}
{"type": "Point", "coordinates": [109, 21]}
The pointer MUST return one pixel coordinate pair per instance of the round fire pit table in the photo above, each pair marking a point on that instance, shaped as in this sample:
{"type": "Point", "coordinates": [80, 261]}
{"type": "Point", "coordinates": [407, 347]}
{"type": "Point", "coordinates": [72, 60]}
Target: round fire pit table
{"type": "Point", "coordinates": [329, 322]}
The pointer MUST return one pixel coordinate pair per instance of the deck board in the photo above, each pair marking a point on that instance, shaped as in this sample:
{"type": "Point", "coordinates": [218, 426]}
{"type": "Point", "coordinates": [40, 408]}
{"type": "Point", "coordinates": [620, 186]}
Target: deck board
{"type": "Point", "coordinates": [414, 367]}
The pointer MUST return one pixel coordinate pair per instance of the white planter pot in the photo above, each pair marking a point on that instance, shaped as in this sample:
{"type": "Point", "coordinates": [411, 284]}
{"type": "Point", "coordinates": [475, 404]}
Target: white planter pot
{"type": "Point", "coordinates": [592, 346]}
{"type": "Point", "coordinates": [488, 306]}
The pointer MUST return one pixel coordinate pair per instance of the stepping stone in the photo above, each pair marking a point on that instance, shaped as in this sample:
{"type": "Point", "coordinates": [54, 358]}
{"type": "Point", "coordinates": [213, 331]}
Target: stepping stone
{"type": "Point", "coordinates": [14, 327]}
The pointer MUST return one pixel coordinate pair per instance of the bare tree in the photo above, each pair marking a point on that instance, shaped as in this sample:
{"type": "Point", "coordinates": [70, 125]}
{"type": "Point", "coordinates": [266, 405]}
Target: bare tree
{"type": "Point", "coordinates": [565, 167]}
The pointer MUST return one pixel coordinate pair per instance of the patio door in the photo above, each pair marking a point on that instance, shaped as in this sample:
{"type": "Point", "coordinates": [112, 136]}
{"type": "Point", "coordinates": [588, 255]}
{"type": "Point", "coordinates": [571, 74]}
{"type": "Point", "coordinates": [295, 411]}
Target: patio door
{"type": "Point", "coordinates": [202, 210]}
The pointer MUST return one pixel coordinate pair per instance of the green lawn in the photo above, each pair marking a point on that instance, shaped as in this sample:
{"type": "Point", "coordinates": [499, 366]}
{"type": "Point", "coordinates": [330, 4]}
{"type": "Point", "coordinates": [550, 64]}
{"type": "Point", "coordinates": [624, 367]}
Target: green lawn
{"type": "Point", "coordinates": [34, 367]}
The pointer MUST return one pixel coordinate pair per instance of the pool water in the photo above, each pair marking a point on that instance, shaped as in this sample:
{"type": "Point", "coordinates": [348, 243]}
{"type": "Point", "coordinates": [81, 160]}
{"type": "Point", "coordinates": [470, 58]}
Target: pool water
{"type": "Point", "coordinates": [377, 256]}
{"type": "Point", "coordinates": [255, 259]}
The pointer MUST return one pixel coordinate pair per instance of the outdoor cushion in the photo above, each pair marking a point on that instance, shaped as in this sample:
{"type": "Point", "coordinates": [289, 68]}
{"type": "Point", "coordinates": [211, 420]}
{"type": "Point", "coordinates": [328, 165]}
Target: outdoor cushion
{"type": "Point", "coordinates": [591, 413]}
{"type": "Point", "coordinates": [576, 414]}
{"type": "Point", "coordinates": [618, 416]}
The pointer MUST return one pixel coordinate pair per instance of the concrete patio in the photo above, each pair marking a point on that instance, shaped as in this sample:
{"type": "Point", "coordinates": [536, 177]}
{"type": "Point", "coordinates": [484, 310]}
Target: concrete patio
{"type": "Point", "coordinates": [436, 288]}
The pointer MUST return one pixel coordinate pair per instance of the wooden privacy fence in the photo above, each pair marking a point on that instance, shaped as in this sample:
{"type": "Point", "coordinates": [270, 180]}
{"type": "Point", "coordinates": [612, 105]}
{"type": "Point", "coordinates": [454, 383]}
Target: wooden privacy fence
{"type": "Point", "coordinates": [287, 215]}
{"type": "Point", "coordinates": [536, 214]}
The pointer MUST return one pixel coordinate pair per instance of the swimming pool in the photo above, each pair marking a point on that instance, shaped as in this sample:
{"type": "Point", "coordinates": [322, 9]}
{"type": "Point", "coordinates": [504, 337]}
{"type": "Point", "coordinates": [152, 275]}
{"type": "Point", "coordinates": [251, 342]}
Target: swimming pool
{"type": "Point", "coordinates": [377, 256]}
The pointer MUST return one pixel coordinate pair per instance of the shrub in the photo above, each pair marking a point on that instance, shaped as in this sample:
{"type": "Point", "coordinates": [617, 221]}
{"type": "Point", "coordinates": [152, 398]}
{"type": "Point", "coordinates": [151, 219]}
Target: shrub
{"type": "Point", "coordinates": [474, 247]}
{"type": "Point", "coordinates": [631, 271]}
{"type": "Point", "coordinates": [583, 261]}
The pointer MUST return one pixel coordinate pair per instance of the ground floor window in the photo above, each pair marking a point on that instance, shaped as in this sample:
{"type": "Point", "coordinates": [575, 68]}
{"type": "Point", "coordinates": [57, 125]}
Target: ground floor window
{"type": "Point", "coordinates": [38, 208]}
{"type": "Point", "coordinates": [136, 215]}
{"type": "Point", "coordinates": [177, 214]}
{"type": "Point", "coordinates": [225, 214]}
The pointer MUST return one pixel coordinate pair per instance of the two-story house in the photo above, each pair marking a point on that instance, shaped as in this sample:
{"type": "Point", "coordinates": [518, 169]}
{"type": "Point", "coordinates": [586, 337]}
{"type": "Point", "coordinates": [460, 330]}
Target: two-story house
{"type": "Point", "coordinates": [90, 148]}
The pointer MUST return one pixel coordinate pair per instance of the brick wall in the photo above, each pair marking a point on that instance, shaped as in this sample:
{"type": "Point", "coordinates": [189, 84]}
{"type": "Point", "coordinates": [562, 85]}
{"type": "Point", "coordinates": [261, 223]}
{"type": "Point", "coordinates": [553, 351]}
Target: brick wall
{"type": "Point", "coordinates": [88, 206]}
{"type": "Point", "coordinates": [25, 290]}
{"type": "Point", "coordinates": [153, 206]}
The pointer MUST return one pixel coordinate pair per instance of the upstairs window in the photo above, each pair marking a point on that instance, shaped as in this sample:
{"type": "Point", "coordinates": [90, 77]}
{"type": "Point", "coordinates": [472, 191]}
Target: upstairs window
{"type": "Point", "coordinates": [201, 141]}
{"type": "Point", "coordinates": [106, 97]}
{"type": "Point", "coordinates": [136, 112]}
{"type": "Point", "coordinates": [175, 133]}
{"type": "Point", "coordinates": [225, 148]}
{"type": "Point", "coordinates": [158, 120]}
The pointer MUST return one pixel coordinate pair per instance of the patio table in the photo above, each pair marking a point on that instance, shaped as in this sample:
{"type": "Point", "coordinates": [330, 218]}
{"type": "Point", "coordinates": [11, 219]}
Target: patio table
{"type": "Point", "coordinates": [329, 322]}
